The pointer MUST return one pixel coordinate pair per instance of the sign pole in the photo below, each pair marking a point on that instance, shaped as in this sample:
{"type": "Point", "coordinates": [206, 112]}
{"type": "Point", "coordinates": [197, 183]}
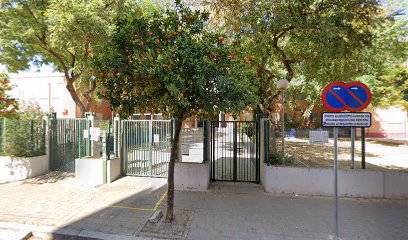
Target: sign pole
{"type": "Point", "coordinates": [363, 148]}
{"type": "Point", "coordinates": [336, 204]}
{"type": "Point", "coordinates": [338, 97]}
{"type": "Point", "coordinates": [283, 125]}
{"type": "Point", "coordinates": [353, 138]}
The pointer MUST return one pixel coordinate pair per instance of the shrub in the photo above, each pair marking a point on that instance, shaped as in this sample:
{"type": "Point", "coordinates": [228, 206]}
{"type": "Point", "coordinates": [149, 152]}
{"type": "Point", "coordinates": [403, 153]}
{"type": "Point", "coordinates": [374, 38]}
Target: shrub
{"type": "Point", "coordinates": [25, 136]}
{"type": "Point", "coordinates": [249, 130]}
{"type": "Point", "coordinates": [277, 158]}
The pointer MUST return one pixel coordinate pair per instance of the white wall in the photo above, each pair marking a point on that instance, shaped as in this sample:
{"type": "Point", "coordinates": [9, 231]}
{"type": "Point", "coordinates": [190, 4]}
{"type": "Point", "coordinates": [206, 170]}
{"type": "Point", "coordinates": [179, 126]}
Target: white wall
{"type": "Point", "coordinates": [89, 171]}
{"type": "Point", "coordinates": [19, 168]}
{"type": "Point", "coordinates": [49, 91]}
{"type": "Point", "coordinates": [191, 176]}
{"type": "Point", "coordinates": [113, 170]}
{"type": "Point", "coordinates": [319, 181]}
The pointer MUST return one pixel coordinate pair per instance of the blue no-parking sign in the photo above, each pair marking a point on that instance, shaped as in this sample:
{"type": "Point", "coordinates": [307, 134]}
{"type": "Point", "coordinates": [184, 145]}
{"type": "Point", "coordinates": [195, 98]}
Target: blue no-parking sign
{"type": "Point", "coordinates": [340, 96]}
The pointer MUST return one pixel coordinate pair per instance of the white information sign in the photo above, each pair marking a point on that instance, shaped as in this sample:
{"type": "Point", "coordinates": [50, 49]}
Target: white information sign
{"type": "Point", "coordinates": [95, 133]}
{"type": "Point", "coordinates": [346, 119]}
{"type": "Point", "coordinates": [156, 138]}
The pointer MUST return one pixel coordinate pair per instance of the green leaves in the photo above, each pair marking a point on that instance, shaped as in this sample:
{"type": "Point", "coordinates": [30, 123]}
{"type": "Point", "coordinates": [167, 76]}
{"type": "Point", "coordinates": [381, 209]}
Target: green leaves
{"type": "Point", "coordinates": [8, 106]}
{"type": "Point", "coordinates": [62, 33]}
{"type": "Point", "coordinates": [26, 135]}
{"type": "Point", "coordinates": [175, 66]}
{"type": "Point", "coordinates": [312, 43]}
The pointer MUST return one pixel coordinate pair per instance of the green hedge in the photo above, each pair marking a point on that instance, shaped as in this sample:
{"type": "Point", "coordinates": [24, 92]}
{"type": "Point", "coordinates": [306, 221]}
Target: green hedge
{"type": "Point", "coordinates": [25, 136]}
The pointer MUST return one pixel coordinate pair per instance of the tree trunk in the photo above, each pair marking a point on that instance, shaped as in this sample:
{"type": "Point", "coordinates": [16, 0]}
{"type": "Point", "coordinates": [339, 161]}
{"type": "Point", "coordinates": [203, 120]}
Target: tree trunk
{"type": "Point", "coordinates": [170, 178]}
{"type": "Point", "coordinates": [74, 95]}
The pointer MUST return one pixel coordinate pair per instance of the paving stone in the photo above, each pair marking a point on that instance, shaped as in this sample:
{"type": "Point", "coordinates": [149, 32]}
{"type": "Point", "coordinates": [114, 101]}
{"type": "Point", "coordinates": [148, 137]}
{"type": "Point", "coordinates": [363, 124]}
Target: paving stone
{"type": "Point", "coordinates": [11, 234]}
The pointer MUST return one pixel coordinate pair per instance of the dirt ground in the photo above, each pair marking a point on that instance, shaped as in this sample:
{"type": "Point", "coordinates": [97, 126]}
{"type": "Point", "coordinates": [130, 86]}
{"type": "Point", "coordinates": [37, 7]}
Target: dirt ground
{"type": "Point", "coordinates": [380, 154]}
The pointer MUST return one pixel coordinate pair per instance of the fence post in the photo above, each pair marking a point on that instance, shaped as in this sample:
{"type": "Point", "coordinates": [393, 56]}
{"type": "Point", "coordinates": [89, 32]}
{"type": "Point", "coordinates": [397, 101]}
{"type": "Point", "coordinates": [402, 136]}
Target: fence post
{"type": "Point", "coordinates": [122, 146]}
{"type": "Point", "coordinates": [3, 136]}
{"type": "Point", "coordinates": [44, 142]}
{"type": "Point", "coordinates": [235, 149]}
{"type": "Point", "coordinates": [89, 123]}
{"type": "Point", "coordinates": [207, 141]}
{"type": "Point", "coordinates": [52, 145]}
{"type": "Point", "coordinates": [116, 121]}
{"type": "Point", "coordinates": [31, 122]}
{"type": "Point", "coordinates": [104, 155]}
{"type": "Point", "coordinates": [108, 142]}
{"type": "Point", "coordinates": [261, 143]}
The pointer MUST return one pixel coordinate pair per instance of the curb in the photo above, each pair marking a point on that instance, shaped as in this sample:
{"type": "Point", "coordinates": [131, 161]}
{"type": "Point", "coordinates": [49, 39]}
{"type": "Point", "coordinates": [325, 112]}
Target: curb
{"type": "Point", "coordinates": [46, 232]}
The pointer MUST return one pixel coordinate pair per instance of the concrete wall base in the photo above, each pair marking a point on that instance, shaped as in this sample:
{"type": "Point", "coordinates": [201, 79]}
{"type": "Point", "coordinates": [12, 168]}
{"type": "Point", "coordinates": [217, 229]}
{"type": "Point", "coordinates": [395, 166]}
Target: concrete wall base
{"type": "Point", "coordinates": [19, 168]}
{"type": "Point", "coordinates": [113, 169]}
{"type": "Point", "coordinates": [89, 171]}
{"type": "Point", "coordinates": [191, 176]}
{"type": "Point", "coordinates": [319, 181]}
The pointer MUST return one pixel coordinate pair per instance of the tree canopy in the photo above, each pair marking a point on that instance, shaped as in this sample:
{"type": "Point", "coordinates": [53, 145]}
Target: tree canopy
{"type": "Point", "coordinates": [167, 61]}
{"type": "Point", "coordinates": [8, 106]}
{"type": "Point", "coordinates": [57, 32]}
{"type": "Point", "coordinates": [310, 43]}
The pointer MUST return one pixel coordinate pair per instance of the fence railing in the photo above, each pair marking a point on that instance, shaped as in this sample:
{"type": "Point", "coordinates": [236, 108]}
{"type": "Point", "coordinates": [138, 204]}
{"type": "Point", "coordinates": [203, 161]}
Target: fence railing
{"type": "Point", "coordinates": [22, 138]}
{"type": "Point", "coordinates": [314, 148]}
{"type": "Point", "coordinates": [2, 136]}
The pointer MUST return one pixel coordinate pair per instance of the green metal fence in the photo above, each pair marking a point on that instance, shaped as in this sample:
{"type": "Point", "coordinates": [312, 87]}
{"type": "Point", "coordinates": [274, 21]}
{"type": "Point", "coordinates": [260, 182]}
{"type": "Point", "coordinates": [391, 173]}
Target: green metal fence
{"type": "Point", "coordinates": [2, 136]}
{"type": "Point", "coordinates": [69, 139]}
{"type": "Point", "coordinates": [146, 147]}
{"type": "Point", "coordinates": [22, 138]}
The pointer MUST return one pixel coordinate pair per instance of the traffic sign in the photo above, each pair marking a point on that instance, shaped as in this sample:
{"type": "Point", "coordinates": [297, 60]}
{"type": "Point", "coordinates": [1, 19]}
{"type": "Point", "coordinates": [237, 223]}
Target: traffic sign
{"type": "Point", "coordinates": [340, 96]}
{"type": "Point", "coordinates": [344, 119]}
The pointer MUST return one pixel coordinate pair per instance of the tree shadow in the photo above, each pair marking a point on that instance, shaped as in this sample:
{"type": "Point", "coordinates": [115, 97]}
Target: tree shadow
{"type": "Point", "coordinates": [51, 177]}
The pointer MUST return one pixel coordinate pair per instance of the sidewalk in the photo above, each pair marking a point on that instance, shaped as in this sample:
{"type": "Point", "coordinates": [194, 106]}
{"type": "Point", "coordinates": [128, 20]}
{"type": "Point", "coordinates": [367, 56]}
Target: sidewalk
{"type": "Point", "coordinates": [55, 203]}
{"type": "Point", "coordinates": [244, 211]}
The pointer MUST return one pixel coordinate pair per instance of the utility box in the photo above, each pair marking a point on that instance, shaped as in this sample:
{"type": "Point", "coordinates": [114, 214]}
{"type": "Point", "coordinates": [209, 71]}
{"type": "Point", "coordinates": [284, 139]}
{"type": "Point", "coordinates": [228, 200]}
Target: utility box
{"type": "Point", "coordinates": [318, 136]}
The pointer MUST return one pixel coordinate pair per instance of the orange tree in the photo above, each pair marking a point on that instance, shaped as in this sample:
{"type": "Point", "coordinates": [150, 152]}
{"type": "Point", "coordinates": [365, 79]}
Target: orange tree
{"type": "Point", "coordinates": [8, 106]}
{"type": "Point", "coordinates": [167, 62]}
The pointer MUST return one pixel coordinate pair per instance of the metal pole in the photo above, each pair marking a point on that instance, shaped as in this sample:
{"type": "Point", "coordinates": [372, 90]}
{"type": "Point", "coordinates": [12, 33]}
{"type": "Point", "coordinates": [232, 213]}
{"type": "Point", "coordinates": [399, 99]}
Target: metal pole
{"type": "Point", "coordinates": [363, 148]}
{"type": "Point", "coordinates": [49, 97]}
{"type": "Point", "coordinates": [283, 123]}
{"type": "Point", "coordinates": [336, 204]}
{"type": "Point", "coordinates": [353, 138]}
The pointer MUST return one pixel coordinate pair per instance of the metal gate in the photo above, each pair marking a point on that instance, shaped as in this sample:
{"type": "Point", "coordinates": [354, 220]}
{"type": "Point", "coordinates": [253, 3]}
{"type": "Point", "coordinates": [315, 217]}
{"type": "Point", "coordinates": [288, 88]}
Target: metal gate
{"type": "Point", "coordinates": [67, 142]}
{"type": "Point", "coordinates": [146, 146]}
{"type": "Point", "coordinates": [235, 151]}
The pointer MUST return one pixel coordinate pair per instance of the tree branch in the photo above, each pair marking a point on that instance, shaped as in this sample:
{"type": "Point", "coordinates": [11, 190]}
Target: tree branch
{"type": "Point", "coordinates": [284, 30]}
{"type": "Point", "coordinates": [29, 11]}
{"type": "Point", "coordinates": [301, 58]}
{"type": "Point", "coordinates": [284, 58]}
{"type": "Point", "coordinates": [87, 95]}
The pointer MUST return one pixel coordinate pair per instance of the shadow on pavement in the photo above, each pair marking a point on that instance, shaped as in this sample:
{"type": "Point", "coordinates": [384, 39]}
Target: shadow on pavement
{"type": "Point", "coordinates": [51, 177]}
